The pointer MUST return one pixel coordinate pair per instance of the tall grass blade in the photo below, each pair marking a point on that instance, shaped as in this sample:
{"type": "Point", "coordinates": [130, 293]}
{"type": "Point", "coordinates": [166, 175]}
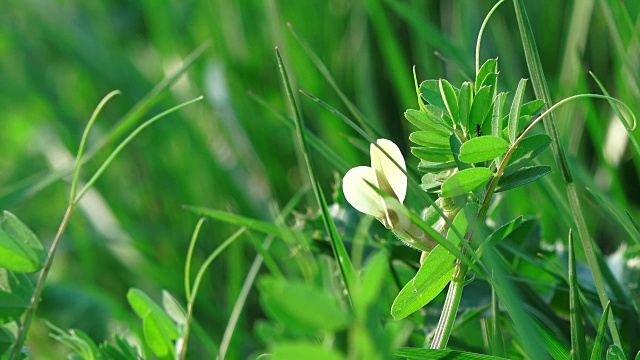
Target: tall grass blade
{"type": "Point", "coordinates": [339, 251]}
{"type": "Point", "coordinates": [596, 353]}
{"type": "Point", "coordinates": [542, 92]}
{"type": "Point", "coordinates": [578, 345]}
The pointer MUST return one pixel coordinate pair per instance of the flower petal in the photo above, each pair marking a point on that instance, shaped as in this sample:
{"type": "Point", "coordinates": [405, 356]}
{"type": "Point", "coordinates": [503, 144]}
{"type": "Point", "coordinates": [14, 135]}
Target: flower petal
{"type": "Point", "coordinates": [389, 178]}
{"type": "Point", "coordinates": [360, 194]}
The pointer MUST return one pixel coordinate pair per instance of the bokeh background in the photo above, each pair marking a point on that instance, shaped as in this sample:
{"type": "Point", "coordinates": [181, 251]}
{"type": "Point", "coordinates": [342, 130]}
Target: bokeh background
{"type": "Point", "coordinates": [59, 58]}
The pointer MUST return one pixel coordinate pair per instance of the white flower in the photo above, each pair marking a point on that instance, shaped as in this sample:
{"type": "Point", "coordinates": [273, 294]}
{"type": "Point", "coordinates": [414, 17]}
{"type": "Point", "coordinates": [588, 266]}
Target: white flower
{"type": "Point", "coordinates": [390, 179]}
{"type": "Point", "coordinates": [383, 174]}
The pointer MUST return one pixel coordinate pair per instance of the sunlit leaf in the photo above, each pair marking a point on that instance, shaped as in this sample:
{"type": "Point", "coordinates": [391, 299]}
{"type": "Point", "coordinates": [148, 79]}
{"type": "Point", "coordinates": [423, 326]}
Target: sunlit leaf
{"type": "Point", "coordinates": [483, 148]}
{"type": "Point", "coordinates": [430, 91]}
{"type": "Point", "coordinates": [20, 249]}
{"type": "Point", "coordinates": [466, 180]}
{"type": "Point", "coordinates": [429, 139]}
{"type": "Point", "coordinates": [615, 353]}
{"type": "Point", "coordinates": [434, 274]}
{"type": "Point", "coordinates": [159, 331]}
{"type": "Point", "coordinates": [434, 167]}
{"type": "Point", "coordinates": [427, 122]}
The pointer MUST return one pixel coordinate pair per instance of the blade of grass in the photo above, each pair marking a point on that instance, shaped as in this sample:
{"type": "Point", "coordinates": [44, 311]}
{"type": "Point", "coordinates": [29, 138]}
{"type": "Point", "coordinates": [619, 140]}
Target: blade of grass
{"type": "Point", "coordinates": [339, 251]}
{"type": "Point", "coordinates": [335, 159]}
{"type": "Point", "coordinates": [362, 121]}
{"type": "Point", "coordinates": [578, 345]}
{"type": "Point", "coordinates": [542, 92]}
{"type": "Point", "coordinates": [602, 328]}
{"type": "Point", "coordinates": [481, 32]}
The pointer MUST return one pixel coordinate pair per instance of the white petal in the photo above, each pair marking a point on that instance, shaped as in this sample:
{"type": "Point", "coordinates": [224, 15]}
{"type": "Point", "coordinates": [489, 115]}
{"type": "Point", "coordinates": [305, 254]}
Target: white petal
{"type": "Point", "coordinates": [389, 178]}
{"type": "Point", "coordinates": [360, 194]}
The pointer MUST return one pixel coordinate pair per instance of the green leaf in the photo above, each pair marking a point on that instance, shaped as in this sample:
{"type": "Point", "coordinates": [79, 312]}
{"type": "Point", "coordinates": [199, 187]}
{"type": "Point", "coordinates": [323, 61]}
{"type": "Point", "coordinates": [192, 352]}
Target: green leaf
{"type": "Point", "coordinates": [309, 351]}
{"type": "Point", "coordinates": [615, 353]}
{"type": "Point", "coordinates": [483, 148]}
{"type": "Point", "coordinates": [6, 339]}
{"type": "Point", "coordinates": [11, 307]}
{"type": "Point", "coordinates": [450, 99]}
{"type": "Point", "coordinates": [528, 149]}
{"type": "Point", "coordinates": [551, 344]}
{"type": "Point", "coordinates": [466, 180]}
{"type": "Point", "coordinates": [532, 108]}
{"type": "Point", "coordinates": [432, 154]}
{"type": "Point", "coordinates": [491, 80]}
{"type": "Point", "coordinates": [430, 91]}
{"type": "Point", "coordinates": [433, 354]}
{"type": "Point", "coordinates": [480, 107]}
{"type": "Point", "coordinates": [522, 176]}
{"type": "Point", "coordinates": [578, 344]}
{"type": "Point", "coordinates": [464, 106]}
{"type": "Point", "coordinates": [435, 167]}
{"type": "Point", "coordinates": [427, 122]}
{"type": "Point", "coordinates": [596, 353]}
{"type": "Point", "coordinates": [514, 113]}
{"type": "Point", "coordinates": [489, 66]}
{"type": "Point", "coordinates": [301, 307]}
{"type": "Point", "coordinates": [20, 249]}
{"type": "Point", "coordinates": [173, 308]}
{"type": "Point", "coordinates": [429, 139]}
{"type": "Point", "coordinates": [159, 331]}
{"type": "Point", "coordinates": [434, 274]}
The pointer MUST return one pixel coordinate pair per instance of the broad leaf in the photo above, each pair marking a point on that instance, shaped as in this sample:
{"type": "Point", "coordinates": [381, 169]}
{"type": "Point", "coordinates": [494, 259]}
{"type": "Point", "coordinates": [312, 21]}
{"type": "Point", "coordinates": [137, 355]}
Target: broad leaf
{"type": "Point", "coordinates": [20, 249]}
{"type": "Point", "coordinates": [501, 233]}
{"type": "Point", "coordinates": [522, 176]}
{"type": "Point", "coordinates": [434, 274]}
{"type": "Point", "coordinates": [427, 122]}
{"type": "Point", "coordinates": [429, 139]}
{"type": "Point", "coordinates": [159, 330]}
{"type": "Point", "coordinates": [15, 295]}
{"type": "Point", "coordinates": [430, 91]}
{"type": "Point", "coordinates": [483, 148]}
{"type": "Point", "coordinates": [466, 180]}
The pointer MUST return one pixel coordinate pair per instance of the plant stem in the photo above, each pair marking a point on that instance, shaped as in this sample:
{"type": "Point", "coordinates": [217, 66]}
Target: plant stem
{"type": "Point", "coordinates": [450, 309]}
{"type": "Point", "coordinates": [35, 298]}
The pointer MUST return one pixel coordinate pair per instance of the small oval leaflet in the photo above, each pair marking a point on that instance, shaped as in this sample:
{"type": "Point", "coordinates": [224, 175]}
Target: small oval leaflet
{"type": "Point", "coordinates": [483, 148]}
{"type": "Point", "coordinates": [466, 180]}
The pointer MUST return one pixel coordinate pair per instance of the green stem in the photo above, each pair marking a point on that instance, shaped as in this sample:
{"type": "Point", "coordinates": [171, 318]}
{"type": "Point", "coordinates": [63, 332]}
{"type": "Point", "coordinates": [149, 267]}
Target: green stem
{"type": "Point", "coordinates": [37, 292]}
{"type": "Point", "coordinates": [450, 309]}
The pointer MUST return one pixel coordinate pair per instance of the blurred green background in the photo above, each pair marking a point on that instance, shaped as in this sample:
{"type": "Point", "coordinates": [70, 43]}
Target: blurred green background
{"type": "Point", "coordinates": [59, 58]}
